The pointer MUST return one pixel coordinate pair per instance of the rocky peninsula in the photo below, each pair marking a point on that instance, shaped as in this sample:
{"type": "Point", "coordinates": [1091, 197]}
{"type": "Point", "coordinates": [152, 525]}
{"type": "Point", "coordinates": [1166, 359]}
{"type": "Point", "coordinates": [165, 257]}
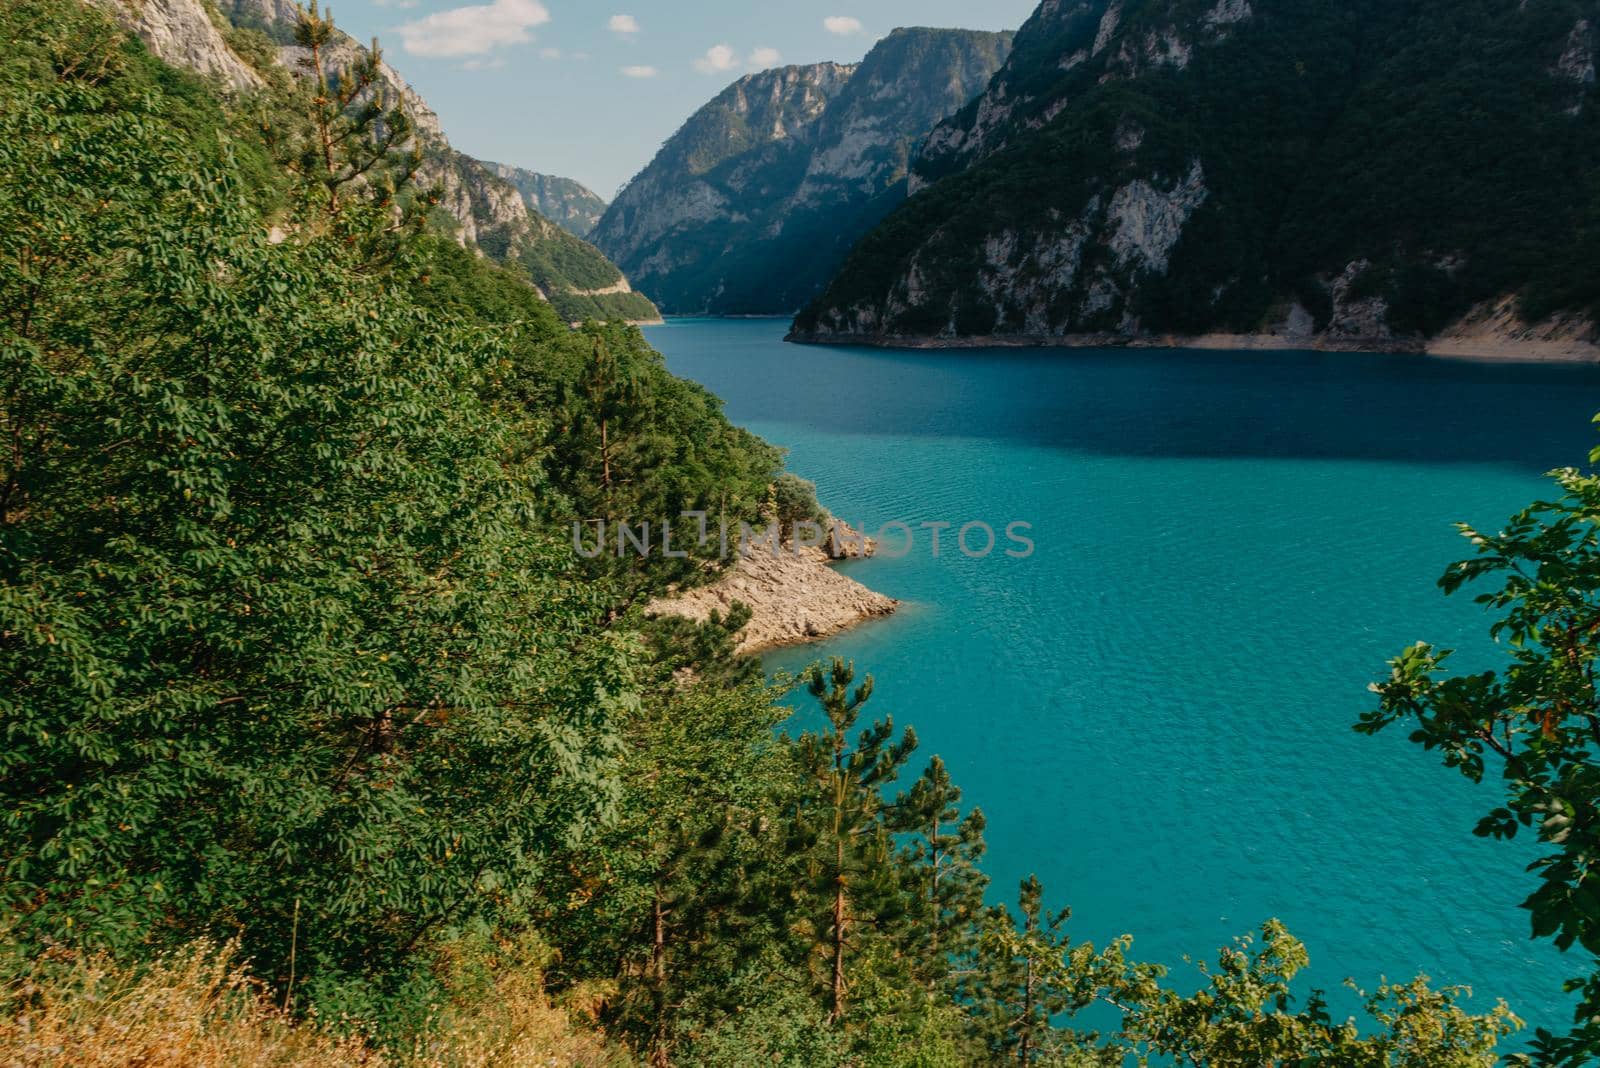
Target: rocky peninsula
{"type": "Point", "coordinates": [794, 594]}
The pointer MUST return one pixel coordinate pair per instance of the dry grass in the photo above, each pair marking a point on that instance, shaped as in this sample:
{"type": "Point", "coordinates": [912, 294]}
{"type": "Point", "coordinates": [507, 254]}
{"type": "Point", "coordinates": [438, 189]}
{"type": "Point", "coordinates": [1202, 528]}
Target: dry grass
{"type": "Point", "coordinates": [201, 1009]}
{"type": "Point", "coordinates": [511, 1023]}
{"type": "Point", "coordinates": [195, 1010]}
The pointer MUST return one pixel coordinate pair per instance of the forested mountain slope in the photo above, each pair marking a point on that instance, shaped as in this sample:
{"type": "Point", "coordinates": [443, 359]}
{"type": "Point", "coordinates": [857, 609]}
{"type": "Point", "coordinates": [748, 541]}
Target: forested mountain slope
{"type": "Point", "coordinates": [1370, 173]}
{"type": "Point", "coordinates": [754, 202]}
{"type": "Point", "coordinates": [248, 43]}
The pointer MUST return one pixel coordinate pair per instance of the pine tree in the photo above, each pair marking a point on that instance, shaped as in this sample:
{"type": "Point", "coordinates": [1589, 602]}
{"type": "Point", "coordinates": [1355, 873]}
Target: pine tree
{"type": "Point", "coordinates": [690, 882]}
{"type": "Point", "coordinates": [706, 652]}
{"type": "Point", "coordinates": [604, 416]}
{"type": "Point", "coordinates": [1035, 955]}
{"type": "Point", "coordinates": [668, 907]}
{"type": "Point", "coordinates": [356, 135]}
{"type": "Point", "coordinates": [612, 391]}
{"type": "Point", "coordinates": [1029, 975]}
{"type": "Point", "coordinates": [1029, 979]}
{"type": "Point", "coordinates": [850, 861]}
{"type": "Point", "coordinates": [945, 855]}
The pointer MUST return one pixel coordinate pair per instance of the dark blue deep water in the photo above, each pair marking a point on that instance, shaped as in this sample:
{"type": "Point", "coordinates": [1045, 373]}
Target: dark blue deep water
{"type": "Point", "coordinates": [1154, 710]}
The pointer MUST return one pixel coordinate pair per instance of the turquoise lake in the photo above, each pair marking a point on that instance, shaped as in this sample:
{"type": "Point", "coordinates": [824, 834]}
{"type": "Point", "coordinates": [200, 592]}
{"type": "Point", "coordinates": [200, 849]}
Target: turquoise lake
{"type": "Point", "coordinates": [1154, 710]}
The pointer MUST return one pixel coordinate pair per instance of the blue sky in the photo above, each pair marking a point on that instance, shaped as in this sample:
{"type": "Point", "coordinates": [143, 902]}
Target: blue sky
{"type": "Point", "coordinates": [590, 90]}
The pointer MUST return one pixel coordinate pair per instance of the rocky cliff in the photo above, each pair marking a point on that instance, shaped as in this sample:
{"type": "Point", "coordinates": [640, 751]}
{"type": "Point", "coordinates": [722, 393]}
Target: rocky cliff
{"type": "Point", "coordinates": [569, 204]}
{"type": "Point", "coordinates": [1370, 174]}
{"type": "Point", "coordinates": [275, 18]}
{"type": "Point", "coordinates": [182, 33]}
{"type": "Point", "coordinates": [753, 203]}
{"type": "Point", "coordinates": [486, 212]}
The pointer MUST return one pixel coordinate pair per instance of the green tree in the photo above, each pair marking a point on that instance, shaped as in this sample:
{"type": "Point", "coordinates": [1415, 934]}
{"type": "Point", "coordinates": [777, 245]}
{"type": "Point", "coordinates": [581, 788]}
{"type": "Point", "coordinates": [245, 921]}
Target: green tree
{"type": "Point", "coordinates": [840, 826]}
{"type": "Point", "coordinates": [1030, 978]}
{"type": "Point", "coordinates": [944, 856]}
{"type": "Point", "coordinates": [794, 501]}
{"type": "Point", "coordinates": [1534, 722]}
{"type": "Point", "coordinates": [355, 134]}
{"type": "Point", "coordinates": [604, 421]}
{"type": "Point", "coordinates": [707, 835]}
{"type": "Point", "coordinates": [1246, 1017]}
{"type": "Point", "coordinates": [661, 897]}
{"type": "Point", "coordinates": [706, 652]}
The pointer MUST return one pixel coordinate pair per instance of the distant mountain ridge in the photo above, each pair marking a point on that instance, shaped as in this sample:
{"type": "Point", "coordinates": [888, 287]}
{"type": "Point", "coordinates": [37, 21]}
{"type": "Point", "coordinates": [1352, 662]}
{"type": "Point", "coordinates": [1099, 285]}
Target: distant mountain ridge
{"type": "Point", "coordinates": [569, 204]}
{"type": "Point", "coordinates": [751, 205]}
{"type": "Point", "coordinates": [486, 211]}
{"type": "Point", "coordinates": [1398, 174]}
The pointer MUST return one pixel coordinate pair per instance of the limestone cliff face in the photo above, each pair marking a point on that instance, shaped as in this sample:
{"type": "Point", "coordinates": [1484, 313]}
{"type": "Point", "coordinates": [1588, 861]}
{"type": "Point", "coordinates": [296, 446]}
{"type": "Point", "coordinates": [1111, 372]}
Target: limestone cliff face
{"type": "Point", "coordinates": [1117, 38]}
{"type": "Point", "coordinates": [568, 204]}
{"type": "Point", "coordinates": [480, 203]}
{"type": "Point", "coordinates": [1142, 170]}
{"type": "Point", "coordinates": [728, 151]}
{"type": "Point", "coordinates": [1061, 35]}
{"type": "Point", "coordinates": [182, 34]}
{"type": "Point", "coordinates": [748, 208]}
{"type": "Point", "coordinates": [912, 79]}
{"type": "Point", "coordinates": [275, 18]}
{"type": "Point", "coordinates": [1577, 64]}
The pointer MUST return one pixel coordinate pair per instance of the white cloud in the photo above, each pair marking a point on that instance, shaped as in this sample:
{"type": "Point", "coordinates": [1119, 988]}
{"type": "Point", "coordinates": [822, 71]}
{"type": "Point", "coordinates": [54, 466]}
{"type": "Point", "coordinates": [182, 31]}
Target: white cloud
{"type": "Point", "coordinates": [549, 53]}
{"type": "Point", "coordinates": [623, 24]}
{"type": "Point", "coordinates": [765, 57]}
{"type": "Point", "coordinates": [474, 30]}
{"type": "Point", "coordinates": [842, 25]}
{"type": "Point", "coordinates": [402, 4]}
{"type": "Point", "coordinates": [640, 72]}
{"type": "Point", "coordinates": [718, 58]}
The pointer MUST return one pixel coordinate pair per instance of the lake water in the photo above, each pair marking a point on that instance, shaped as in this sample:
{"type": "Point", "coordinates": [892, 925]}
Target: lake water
{"type": "Point", "coordinates": [1154, 710]}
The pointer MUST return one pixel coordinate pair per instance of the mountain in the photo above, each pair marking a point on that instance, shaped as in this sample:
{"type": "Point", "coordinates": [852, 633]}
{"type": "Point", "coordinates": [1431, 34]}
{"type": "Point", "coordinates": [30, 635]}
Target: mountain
{"type": "Point", "coordinates": [570, 205]}
{"type": "Point", "coordinates": [1377, 173]}
{"type": "Point", "coordinates": [274, 18]}
{"type": "Point", "coordinates": [246, 44]}
{"type": "Point", "coordinates": [183, 34]}
{"type": "Point", "coordinates": [492, 215]}
{"type": "Point", "coordinates": [750, 207]}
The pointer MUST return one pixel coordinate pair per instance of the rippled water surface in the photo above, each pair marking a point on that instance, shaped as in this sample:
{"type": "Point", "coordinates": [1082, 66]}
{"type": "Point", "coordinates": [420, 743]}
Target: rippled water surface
{"type": "Point", "coordinates": [1154, 710]}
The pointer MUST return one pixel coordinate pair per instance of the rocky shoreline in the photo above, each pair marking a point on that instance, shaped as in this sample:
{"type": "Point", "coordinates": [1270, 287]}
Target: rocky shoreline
{"type": "Point", "coordinates": [795, 596]}
{"type": "Point", "coordinates": [1464, 347]}
{"type": "Point", "coordinates": [1490, 332]}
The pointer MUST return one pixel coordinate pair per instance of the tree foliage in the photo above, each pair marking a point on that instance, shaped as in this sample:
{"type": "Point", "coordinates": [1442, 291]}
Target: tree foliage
{"type": "Point", "coordinates": [1535, 723]}
{"type": "Point", "coordinates": [356, 135]}
{"type": "Point", "coordinates": [268, 577]}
